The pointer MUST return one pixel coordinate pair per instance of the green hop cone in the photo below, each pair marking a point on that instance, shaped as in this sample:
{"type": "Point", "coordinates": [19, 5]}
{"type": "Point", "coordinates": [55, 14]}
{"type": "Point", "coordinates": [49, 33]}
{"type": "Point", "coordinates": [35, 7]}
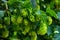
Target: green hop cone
{"type": "Point", "coordinates": [32, 18]}
{"type": "Point", "coordinates": [25, 22]}
{"type": "Point", "coordinates": [24, 33]}
{"type": "Point", "coordinates": [13, 19]}
{"type": "Point", "coordinates": [49, 20]}
{"type": "Point", "coordinates": [26, 30]}
{"type": "Point", "coordinates": [15, 33]}
{"type": "Point", "coordinates": [42, 30]}
{"type": "Point", "coordinates": [24, 13]}
{"type": "Point", "coordinates": [38, 7]}
{"type": "Point", "coordinates": [19, 19]}
{"type": "Point", "coordinates": [33, 35]}
{"type": "Point", "coordinates": [37, 17]}
{"type": "Point", "coordinates": [5, 34]}
{"type": "Point", "coordinates": [7, 20]}
{"type": "Point", "coordinates": [15, 10]}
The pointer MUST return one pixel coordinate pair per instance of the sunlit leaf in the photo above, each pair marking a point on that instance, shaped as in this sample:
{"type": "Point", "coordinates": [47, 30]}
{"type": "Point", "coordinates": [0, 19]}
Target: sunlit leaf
{"type": "Point", "coordinates": [51, 12]}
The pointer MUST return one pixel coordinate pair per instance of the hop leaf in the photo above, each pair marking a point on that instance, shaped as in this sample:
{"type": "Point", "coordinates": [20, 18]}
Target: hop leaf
{"type": "Point", "coordinates": [51, 12]}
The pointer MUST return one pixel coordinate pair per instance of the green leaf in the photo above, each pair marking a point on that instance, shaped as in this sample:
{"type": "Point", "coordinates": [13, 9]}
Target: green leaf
{"type": "Point", "coordinates": [33, 2]}
{"type": "Point", "coordinates": [51, 12]}
{"type": "Point", "coordinates": [52, 5]}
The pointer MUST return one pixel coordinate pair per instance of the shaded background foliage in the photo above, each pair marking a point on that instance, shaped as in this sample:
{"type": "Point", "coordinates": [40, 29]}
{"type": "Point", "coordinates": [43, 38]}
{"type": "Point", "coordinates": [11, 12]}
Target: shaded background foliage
{"type": "Point", "coordinates": [11, 6]}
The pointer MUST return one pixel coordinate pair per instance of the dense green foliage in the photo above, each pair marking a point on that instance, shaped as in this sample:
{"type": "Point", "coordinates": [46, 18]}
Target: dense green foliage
{"type": "Point", "coordinates": [29, 20]}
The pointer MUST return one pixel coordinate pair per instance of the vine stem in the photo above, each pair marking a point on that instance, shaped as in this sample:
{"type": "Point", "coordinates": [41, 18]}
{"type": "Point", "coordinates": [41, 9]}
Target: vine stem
{"type": "Point", "coordinates": [6, 6]}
